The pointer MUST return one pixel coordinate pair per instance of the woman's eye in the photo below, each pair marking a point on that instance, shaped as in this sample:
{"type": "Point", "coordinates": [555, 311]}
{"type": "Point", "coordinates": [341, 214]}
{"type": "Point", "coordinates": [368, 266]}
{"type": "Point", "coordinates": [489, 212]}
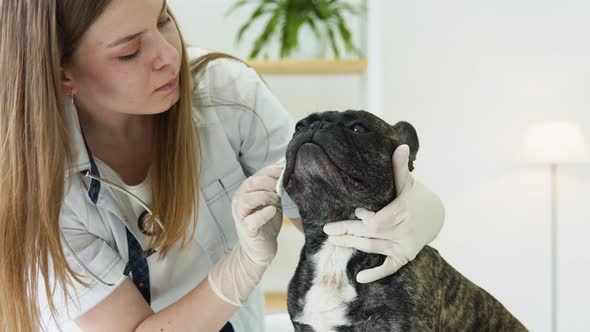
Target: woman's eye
{"type": "Point", "coordinates": [129, 56]}
{"type": "Point", "coordinates": [358, 128]}
{"type": "Point", "coordinates": [164, 22]}
{"type": "Point", "coordinates": [161, 24]}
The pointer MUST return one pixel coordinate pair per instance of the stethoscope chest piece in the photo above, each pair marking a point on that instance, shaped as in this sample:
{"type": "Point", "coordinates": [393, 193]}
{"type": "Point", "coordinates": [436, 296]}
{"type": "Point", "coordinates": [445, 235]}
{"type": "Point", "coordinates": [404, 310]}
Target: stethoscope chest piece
{"type": "Point", "coordinates": [146, 224]}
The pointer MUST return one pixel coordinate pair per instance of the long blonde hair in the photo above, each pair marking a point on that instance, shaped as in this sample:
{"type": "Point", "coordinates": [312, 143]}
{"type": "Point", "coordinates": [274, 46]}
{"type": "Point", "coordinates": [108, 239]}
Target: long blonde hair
{"type": "Point", "coordinates": [35, 40]}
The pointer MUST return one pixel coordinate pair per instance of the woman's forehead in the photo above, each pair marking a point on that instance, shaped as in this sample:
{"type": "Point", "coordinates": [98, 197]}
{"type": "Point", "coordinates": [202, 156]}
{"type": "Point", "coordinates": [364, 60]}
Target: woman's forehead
{"type": "Point", "coordinates": [123, 19]}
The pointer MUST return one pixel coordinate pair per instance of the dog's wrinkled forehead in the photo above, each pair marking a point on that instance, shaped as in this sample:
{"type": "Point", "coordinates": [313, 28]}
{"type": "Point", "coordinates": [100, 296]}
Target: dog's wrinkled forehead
{"type": "Point", "coordinates": [384, 135]}
{"type": "Point", "coordinates": [348, 118]}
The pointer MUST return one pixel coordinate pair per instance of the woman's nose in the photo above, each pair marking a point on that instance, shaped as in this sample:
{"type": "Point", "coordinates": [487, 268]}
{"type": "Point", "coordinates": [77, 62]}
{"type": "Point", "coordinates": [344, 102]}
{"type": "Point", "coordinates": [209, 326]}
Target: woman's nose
{"type": "Point", "coordinates": [166, 54]}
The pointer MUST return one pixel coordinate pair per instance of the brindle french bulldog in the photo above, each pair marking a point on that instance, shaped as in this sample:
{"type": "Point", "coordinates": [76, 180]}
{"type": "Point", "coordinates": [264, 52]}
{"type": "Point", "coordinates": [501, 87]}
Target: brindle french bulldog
{"type": "Point", "coordinates": [336, 162]}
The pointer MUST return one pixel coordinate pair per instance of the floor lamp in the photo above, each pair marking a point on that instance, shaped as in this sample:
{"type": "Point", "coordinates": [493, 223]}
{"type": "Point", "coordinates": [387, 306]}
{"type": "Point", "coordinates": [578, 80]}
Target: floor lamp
{"type": "Point", "coordinates": [554, 144]}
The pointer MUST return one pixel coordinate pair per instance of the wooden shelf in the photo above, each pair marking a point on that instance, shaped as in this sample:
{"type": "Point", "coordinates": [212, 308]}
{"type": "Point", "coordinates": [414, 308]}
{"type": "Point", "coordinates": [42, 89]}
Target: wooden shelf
{"type": "Point", "coordinates": [275, 301]}
{"type": "Point", "coordinates": [332, 67]}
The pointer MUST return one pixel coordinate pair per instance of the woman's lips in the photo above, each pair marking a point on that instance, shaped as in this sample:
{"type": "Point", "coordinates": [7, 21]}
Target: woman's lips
{"type": "Point", "coordinates": [169, 86]}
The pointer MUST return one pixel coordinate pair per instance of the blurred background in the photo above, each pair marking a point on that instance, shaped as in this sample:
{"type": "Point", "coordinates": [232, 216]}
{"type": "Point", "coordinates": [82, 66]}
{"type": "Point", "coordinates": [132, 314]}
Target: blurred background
{"type": "Point", "coordinates": [472, 77]}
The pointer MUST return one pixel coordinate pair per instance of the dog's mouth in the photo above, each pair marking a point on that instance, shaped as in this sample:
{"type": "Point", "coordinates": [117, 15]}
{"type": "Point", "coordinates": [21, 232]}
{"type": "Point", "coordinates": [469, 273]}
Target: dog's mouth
{"type": "Point", "coordinates": [331, 170]}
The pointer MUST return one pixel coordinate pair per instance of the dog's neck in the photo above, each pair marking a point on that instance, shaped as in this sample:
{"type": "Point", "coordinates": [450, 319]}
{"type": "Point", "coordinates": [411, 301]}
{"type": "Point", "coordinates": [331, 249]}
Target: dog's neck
{"type": "Point", "coordinates": [314, 219]}
{"type": "Point", "coordinates": [314, 234]}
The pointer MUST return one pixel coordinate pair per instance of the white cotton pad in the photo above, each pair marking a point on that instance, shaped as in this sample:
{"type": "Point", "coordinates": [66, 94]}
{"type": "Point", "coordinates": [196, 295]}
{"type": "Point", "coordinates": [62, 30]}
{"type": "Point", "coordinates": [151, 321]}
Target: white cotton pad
{"type": "Point", "coordinates": [280, 190]}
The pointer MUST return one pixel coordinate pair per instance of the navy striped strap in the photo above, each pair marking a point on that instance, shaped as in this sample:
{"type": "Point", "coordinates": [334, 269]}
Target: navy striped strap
{"type": "Point", "coordinates": [140, 270]}
{"type": "Point", "coordinates": [138, 266]}
{"type": "Point", "coordinates": [227, 328]}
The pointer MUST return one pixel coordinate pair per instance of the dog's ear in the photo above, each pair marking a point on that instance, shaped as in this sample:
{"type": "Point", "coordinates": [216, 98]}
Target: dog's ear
{"type": "Point", "coordinates": [406, 134]}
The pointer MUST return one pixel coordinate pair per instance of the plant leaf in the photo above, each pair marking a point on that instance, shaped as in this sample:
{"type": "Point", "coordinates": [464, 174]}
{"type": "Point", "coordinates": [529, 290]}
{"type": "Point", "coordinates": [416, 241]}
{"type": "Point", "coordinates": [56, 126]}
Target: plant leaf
{"type": "Point", "coordinates": [236, 6]}
{"type": "Point", "coordinates": [283, 38]}
{"type": "Point", "coordinates": [257, 12]}
{"type": "Point", "coordinates": [347, 36]}
{"type": "Point", "coordinates": [314, 27]}
{"type": "Point", "coordinates": [346, 7]}
{"type": "Point", "coordinates": [263, 39]}
{"type": "Point", "coordinates": [345, 33]}
{"type": "Point", "coordinates": [293, 21]}
{"type": "Point", "coordinates": [290, 15]}
{"type": "Point", "coordinates": [333, 42]}
{"type": "Point", "coordinates": [242, 30]}
{"type": "Point", "coordinates": [322, 9]}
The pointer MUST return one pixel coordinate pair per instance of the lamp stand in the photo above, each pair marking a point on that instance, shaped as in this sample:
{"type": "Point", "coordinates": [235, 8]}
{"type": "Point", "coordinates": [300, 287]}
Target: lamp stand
{"type": "Point", "coordinates": [554, 247]}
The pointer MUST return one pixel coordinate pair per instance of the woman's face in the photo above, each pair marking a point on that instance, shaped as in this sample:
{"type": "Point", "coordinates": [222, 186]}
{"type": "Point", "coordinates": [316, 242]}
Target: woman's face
{"type": "Point", "coordinates": [126, 58]}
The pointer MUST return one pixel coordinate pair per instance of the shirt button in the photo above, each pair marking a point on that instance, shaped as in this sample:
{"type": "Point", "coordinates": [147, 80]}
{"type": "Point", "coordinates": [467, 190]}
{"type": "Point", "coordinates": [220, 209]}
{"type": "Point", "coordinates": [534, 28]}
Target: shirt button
{"type": "Point", "coordinates": [140, 284]}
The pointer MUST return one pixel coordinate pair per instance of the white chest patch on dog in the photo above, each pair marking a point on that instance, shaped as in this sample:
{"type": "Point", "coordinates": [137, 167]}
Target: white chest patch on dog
{"type": "Point", "coordinates": [327, 300]}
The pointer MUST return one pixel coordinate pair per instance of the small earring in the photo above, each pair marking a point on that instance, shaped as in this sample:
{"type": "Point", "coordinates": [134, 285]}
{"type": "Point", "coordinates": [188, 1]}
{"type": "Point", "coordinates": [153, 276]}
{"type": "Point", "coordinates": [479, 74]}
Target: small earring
{"type": "Point", "coordinates": [71, 93]}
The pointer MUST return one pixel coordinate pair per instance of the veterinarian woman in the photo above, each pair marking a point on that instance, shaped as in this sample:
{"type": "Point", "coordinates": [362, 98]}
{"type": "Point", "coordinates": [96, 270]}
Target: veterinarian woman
{"type": "Point", "coordinates": [118, 163]}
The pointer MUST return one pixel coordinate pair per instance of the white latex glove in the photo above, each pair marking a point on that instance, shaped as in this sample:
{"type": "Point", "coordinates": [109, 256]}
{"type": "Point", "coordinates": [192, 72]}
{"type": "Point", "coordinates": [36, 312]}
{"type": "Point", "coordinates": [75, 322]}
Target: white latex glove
{"type": "Point", "coordinates": [399, 230]}
{"type": "Point", "coordinates": [256, 209]}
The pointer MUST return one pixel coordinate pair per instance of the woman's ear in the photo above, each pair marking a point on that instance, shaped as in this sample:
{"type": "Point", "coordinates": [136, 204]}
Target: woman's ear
{"type": "Point", "coordinates": [67, 81]}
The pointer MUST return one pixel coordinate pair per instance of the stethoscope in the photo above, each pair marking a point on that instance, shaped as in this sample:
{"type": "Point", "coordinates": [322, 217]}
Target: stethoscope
{"type": "Point", "coordinates": [147, 226]}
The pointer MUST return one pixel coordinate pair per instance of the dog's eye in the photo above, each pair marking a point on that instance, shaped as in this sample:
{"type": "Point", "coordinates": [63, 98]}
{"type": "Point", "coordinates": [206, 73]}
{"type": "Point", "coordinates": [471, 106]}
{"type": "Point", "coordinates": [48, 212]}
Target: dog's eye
{"type": "Point", "coordinates": [299, 126]}
{"type": "Point", "coordinates": [358, 128]}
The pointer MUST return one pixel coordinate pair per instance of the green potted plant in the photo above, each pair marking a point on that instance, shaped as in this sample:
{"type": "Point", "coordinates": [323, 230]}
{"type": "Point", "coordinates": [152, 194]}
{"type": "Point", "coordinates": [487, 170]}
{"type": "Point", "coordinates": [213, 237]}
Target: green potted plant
{"type": "Point", "coordinates": [285, 18]}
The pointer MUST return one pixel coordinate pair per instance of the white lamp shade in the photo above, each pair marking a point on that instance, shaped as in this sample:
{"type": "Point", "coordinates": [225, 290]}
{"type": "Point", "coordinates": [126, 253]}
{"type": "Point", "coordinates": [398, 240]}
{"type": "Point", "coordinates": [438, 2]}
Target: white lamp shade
{"type": "Point", "coordinates": [554, 143]}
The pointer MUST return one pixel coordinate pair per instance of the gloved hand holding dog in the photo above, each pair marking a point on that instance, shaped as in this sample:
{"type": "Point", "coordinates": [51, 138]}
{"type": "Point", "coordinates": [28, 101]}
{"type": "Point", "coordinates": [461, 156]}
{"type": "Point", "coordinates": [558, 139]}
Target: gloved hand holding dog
{"type": "Point", "coordinates": [399, 230]}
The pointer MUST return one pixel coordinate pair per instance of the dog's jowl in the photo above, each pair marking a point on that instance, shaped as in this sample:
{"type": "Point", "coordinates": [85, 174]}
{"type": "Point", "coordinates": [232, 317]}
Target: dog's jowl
{"type": "Point", "coordinates": [339, 161]}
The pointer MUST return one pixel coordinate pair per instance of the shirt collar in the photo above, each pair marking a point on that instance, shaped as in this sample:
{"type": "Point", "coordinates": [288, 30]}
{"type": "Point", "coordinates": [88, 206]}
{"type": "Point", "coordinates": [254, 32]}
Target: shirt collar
{"type": "Point", "coordinates": [82, 157]}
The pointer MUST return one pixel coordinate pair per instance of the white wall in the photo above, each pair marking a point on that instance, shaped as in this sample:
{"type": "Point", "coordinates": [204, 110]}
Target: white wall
{"type": "Point", "coordinates": [471, 76]}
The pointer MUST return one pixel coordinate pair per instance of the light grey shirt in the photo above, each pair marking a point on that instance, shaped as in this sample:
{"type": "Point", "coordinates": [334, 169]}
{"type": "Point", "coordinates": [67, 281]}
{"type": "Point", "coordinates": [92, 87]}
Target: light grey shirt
{"type": "Point", "coordinates": [234, 145]}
